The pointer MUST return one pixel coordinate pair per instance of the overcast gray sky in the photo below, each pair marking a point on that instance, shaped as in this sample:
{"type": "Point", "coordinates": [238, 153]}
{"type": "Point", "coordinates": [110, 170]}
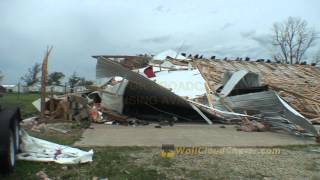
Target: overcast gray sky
{"type": "Point", "coordinates": [79, 29]}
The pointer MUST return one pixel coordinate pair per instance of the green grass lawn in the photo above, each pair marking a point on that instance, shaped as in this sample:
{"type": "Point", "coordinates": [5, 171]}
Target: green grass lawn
{"type": "Point", "coordinates": [110, 162]}
{"type": "Point", "coordinates": [24, 101]}
{"type": "Point", "coordinates": [146, 162]}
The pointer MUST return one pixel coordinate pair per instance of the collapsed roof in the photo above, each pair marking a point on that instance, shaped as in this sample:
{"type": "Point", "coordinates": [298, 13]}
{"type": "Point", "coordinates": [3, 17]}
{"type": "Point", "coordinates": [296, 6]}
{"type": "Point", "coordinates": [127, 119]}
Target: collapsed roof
{"type": "Point", "coordinates": [235, 82]}
{"type": "Point", "coordinates": [143, 97]}
{"type": "Point", "coordinates": [298, 84]}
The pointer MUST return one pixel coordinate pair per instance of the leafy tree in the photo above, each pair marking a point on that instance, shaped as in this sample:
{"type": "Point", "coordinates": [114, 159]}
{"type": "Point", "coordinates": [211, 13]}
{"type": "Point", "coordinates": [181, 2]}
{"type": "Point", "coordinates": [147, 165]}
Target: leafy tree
{"type": "Point", "coordinates": [55, 78]}
{"type": "Point", "coordinates": [32, 77]}
{"type": "Point", "coordinates": [74, 79]}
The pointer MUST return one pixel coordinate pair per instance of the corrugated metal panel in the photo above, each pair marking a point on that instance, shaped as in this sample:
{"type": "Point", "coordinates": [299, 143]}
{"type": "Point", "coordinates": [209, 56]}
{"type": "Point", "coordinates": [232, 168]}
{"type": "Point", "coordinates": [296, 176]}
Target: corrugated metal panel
{"type": "Point", "coordinates": [266, 102]}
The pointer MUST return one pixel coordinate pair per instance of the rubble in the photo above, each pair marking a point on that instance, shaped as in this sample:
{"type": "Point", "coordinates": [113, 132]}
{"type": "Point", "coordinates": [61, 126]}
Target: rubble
{"type": "Point", "coordinates": [171, 86]}
{"type": "Point", "coordinates": [143, 98]}
{"type": "Point", "coordinates": [41, 175]}
{"type": "Point", "coordinates": [296, 84]}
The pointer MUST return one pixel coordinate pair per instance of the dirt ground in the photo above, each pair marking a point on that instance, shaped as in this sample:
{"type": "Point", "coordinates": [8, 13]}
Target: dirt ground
{"type": "Point", "coordinates": [291, 163]}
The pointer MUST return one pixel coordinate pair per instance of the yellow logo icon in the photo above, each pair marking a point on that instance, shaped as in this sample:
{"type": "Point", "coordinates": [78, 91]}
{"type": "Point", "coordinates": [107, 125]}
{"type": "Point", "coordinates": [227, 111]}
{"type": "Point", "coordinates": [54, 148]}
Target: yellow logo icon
{"type": "Point", "coordinates": [168, 151]}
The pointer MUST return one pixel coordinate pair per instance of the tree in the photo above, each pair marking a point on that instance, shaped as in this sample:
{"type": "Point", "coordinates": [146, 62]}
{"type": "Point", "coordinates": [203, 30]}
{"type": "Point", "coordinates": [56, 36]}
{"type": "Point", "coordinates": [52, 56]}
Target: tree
{"type": "Point", "coordinates": [74, 79]}
{"type": "Point", "coordinates": [32, 77]}
{"type": "Point", "coordinates": [292, 38]}
{"type": "Point", "coordinates": [55, 78]}
{"type": "Point", "coordinates": [316, 58]}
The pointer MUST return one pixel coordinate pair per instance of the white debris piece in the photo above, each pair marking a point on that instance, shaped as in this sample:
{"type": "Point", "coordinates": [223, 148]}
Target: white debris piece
{"type": "Point", "coordinates": [171, 53]}
{"type": "Point", "coordinates": [183, 83]}
{"type": "Point", "coordinates": [37, 103]}
{"type": "Point", "coordinates": [29, 121]}
{"type": "Point", "coordinates": [34, 149]}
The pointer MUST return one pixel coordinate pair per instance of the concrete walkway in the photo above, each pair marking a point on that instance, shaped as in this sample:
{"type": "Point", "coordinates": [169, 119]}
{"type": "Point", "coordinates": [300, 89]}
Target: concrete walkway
{"type": "Point", "coordinates": [184, 135]}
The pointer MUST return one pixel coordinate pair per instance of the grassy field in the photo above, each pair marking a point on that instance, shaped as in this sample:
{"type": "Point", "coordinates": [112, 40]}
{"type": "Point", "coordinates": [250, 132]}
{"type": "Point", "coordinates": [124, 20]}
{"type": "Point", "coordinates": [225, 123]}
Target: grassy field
{"type": "Point", "coordinates": [114, 163]}
{"type": "Point", "coordinates": [24, 101]}
{"type": "Point", "coordinates": [294, 162]}
{"type": "Point", "coordinates": [108, 162]}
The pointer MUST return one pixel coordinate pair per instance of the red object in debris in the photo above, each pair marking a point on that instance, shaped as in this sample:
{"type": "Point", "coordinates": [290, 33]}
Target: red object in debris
{"type": "Point", "coordinates": [58, 152]}
{"type": "Point", "coordinates": [149, 72]}
{"type": "Point", "coordinates": [94, 113]}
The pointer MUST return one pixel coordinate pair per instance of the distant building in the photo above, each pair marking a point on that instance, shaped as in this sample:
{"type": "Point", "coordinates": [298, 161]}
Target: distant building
{"type": "Point", "coordinates": [2, 90]}
{"type": "Point", "coordinates": [34, 88]}
{"type": "Point", "coordinates": [10, 88]}
{"type": "Point", "coordinates": [56, 88]}
{"type": "Point", "coordinates": [79, 89]}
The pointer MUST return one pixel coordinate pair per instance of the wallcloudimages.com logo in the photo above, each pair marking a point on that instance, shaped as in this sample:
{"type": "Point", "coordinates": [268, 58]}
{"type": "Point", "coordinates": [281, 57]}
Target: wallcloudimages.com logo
{"type": "Point", "coordinates": [170, 151]}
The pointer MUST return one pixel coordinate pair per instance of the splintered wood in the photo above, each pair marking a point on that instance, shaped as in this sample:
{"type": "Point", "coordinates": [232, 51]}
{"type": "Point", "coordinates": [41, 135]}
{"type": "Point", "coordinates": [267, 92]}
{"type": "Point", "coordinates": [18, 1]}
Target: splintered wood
{"type": "Point", "coordinates": [299, 85]}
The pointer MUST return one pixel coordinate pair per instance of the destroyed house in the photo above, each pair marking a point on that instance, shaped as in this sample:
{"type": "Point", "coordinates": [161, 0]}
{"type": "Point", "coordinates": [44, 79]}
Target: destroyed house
{"type": "Point", "coordinates": [281, 96]}
{"type": "Point", "coordinates": [298, 84]}
{"type": "Point", "coordinates": [141, 97]}
{"type": "Point", "coordinates": [269, 95]}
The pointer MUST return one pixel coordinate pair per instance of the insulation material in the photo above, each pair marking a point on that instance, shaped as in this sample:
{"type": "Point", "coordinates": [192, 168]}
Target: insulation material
{"type": "Point", "coordinates": [183, 83]}
{"type": "Point", "coordinates": [34, 149]}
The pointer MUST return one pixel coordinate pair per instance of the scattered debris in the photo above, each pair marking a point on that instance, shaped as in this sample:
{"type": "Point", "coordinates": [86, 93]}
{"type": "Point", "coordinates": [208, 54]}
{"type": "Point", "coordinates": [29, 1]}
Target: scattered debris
{"type": "Point", "coordinates": [171, 88]}
{"type": "Point", "coordinates": [252, 126]}
{"type": "Point", "coordinates": [34, 149]}
{"type": "Point", "coordinates": [41, 175]}
{"type": "Point", "coordinates": [59, 130]}
{"type": "Point", "coordinates": [29, 121]}
{"type": "Point", "coordinates": [296, 84]}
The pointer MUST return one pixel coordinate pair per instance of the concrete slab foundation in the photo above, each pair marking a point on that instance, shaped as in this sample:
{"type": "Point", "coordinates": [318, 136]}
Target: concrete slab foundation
{"type": "Point", "coordinates": [185, 135]}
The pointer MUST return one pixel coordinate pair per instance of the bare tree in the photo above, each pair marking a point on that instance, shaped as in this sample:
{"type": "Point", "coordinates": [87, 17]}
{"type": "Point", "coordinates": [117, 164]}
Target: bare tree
{"type": "Point", "coordinates": [316, 58]}
{"type": "Point", "coordinates": [292, 38]}
{"type": "Point", "coordinates": [32, 77]}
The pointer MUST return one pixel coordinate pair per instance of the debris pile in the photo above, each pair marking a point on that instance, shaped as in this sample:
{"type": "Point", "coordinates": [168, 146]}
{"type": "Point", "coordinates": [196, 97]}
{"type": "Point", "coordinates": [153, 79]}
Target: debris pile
{"type": "Point", "coordinates": [257, 95]}
{"type": "Point", "coordinates": [170, 88]}
{"type": "Point", "coordinates": [296, 84]}
{"type": "Point", "coordinates": [34, 149]}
